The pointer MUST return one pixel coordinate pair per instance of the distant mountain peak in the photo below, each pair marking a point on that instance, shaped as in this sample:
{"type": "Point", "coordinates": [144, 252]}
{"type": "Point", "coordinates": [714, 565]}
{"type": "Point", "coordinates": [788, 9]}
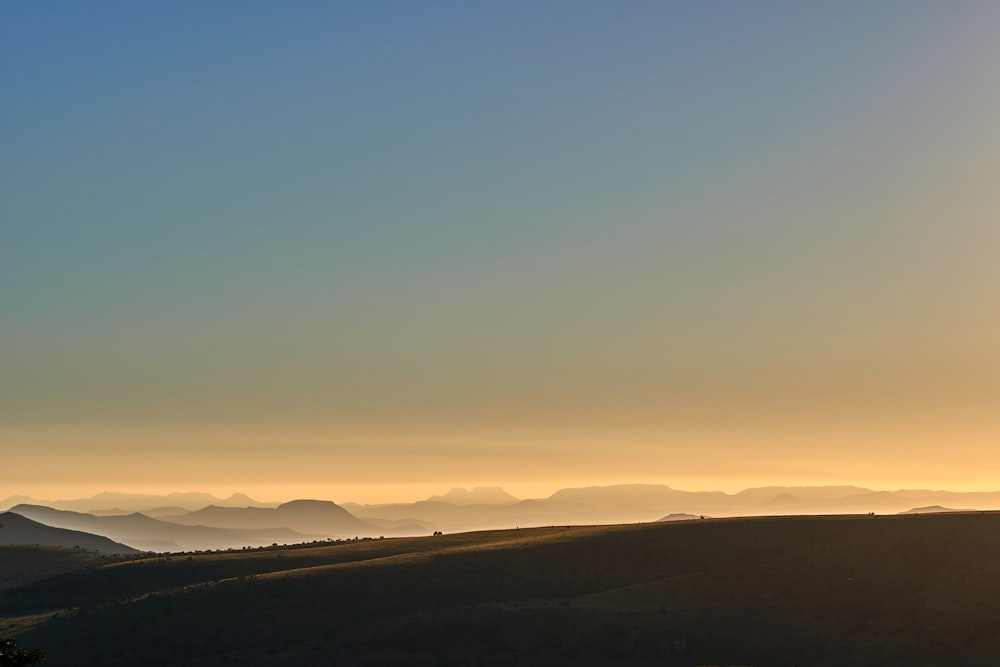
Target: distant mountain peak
{"type": "Point", "coordinates": [478, 495]}
{"type": "Point", "coordinates": [240, 499]}
{"type": "Point", "coordinates": [308, 502]}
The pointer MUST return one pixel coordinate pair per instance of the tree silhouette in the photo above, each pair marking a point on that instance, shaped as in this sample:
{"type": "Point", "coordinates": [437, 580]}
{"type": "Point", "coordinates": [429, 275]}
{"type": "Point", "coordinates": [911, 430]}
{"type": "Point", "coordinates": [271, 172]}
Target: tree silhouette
{"type": "Point", "coordinates": [12, 656]}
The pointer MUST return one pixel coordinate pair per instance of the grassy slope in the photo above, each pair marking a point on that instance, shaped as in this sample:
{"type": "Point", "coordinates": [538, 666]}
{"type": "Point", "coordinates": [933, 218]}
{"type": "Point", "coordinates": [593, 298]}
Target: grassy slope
{"type": "Point", "coordinates": [820, 591]}
{"type": "Point", "coordinates": [25, 564]}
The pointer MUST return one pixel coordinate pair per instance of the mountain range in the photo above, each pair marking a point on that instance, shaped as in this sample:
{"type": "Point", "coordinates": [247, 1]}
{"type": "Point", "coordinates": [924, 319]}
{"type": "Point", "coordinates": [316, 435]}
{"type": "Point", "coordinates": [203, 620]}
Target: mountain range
{"type": "Point", "coordinates": [149, 534]}
{"type": "Point", "coordinates": [317, 517]}
{"type": "Point", "coordinates": [111, 502]}
{"type": "Point", "coordinates": [633, 503]}
{"type": "Point", "coordinates": [171, 526]}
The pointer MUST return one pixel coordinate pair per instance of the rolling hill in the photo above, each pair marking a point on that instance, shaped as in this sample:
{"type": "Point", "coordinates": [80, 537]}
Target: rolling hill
{"type": "Point", "coordinates": [149, 534]}
{"type": "Point", "coordinates": [27, 563]}
{"type": "Point", "coordinates": [16, 529]}
{"type": "Point", "coordinates": [914, 590]}
{"type": "Point", "coordinates": [317, 517]}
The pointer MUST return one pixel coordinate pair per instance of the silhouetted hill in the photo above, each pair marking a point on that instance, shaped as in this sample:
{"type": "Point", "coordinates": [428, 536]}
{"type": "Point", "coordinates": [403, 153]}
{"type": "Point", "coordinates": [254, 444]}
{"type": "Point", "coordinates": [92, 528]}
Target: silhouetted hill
{"type": "Point", "coordinates": [149, 534]}
{"type": "Point", "coordinates": [20, 530]}
{"type": "Point", "coordinates": [918, 591]}
{"type": "Point", "coordinates": [932, 509]}
{"type": "Point", "coordinates": [317, 517]}
{"type": "Point", "coordinates": [680, 516]}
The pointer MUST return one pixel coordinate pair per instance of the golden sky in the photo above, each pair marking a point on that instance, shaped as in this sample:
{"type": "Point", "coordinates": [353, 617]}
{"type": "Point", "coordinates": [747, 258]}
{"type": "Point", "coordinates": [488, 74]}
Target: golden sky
{"type": "Point", "coordinates": [371, 255]}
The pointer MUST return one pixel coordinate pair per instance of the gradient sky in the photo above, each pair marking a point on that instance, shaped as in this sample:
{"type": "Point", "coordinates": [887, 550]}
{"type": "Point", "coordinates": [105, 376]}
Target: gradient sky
{"type": "Point", "coordinates": [372, 250]}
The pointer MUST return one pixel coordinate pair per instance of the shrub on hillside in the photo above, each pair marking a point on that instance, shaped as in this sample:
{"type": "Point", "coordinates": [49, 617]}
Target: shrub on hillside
{"type": "Point", "coordinates": [12, 656]}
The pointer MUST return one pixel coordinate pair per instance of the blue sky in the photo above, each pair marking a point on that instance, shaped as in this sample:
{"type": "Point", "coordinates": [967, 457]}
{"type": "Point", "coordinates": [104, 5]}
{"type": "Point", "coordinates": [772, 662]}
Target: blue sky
{"type": "Point", "coordinates": [606, 228]}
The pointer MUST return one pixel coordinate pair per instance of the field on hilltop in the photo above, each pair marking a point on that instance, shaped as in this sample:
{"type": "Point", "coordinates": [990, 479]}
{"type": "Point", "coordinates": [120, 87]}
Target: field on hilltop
{"type": "Point", "coordinates": [896, 590]}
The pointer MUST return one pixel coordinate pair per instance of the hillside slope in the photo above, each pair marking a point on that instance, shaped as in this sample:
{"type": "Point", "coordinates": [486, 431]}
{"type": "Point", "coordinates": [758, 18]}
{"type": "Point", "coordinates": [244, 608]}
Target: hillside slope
{"type": "Point", "coordinates": [23, 564]}
{"type": "Point", "coordinates": [20, 530]}
{"type": "Point", "coordinates": [149, 534]}
{"type": "Point", "coordinates": [899, 590]}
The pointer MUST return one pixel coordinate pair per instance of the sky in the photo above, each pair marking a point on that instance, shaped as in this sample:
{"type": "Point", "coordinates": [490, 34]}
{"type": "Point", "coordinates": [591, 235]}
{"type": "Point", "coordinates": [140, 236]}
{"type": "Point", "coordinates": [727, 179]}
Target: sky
{"type": "Point", "coordinates": [371, 250]}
